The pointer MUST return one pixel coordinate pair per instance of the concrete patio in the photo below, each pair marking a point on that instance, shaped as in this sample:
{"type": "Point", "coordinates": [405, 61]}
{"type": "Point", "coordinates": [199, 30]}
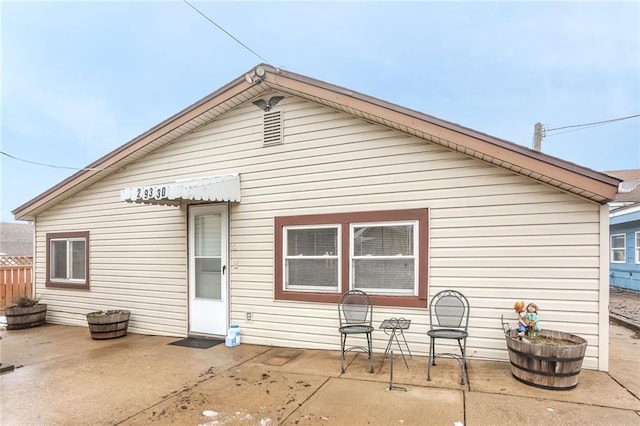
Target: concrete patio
{"type": "Point", "coordinates": [64, 377]}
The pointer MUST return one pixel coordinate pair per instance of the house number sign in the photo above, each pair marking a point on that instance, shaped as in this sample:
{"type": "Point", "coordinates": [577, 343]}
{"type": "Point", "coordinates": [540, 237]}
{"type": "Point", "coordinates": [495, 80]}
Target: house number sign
{"type": "Point", "coordinates": [157, 192]}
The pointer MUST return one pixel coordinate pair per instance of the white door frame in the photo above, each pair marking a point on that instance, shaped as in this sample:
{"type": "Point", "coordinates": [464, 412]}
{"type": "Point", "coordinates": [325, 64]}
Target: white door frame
{"type": "Point", "coordinates": [209, 315]}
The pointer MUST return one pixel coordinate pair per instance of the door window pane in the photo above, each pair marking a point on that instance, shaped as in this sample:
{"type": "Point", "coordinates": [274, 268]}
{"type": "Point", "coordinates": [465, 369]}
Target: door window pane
{"type": "Point", "coordinates": [207, 232]}
{"type": "Point", "coordinates": [208, 278]}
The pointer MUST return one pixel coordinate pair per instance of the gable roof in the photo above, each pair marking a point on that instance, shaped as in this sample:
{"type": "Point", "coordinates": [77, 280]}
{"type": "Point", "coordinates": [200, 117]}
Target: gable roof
{"type": "Point", "coordinates": [567, 176]}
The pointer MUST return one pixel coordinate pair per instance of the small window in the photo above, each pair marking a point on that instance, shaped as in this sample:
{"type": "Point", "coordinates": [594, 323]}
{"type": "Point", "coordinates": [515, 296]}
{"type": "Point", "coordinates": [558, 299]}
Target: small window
{"type": "Point", "coordinates": [638, 247]}
{"type": "Point", "coordinates": [68, 260]}
{"type": "Point", "coordinates": [618, 248]}
{"type": "Point", "coordinates": [383, 258]}
{"type": "Point", "coordinates": [311, 258]}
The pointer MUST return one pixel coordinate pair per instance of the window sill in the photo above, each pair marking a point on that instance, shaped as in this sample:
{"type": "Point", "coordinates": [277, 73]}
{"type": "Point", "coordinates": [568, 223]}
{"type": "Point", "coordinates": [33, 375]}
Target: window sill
{"type": "Point", "coordinates": [378, 300]}
{"type": "Point", "coordinates": [74, 286]}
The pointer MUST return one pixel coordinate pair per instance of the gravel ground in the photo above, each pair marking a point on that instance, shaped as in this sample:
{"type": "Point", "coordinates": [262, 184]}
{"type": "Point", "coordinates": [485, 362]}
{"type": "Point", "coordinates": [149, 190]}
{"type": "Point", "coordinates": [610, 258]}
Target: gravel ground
{"type": "Point", "coordinates": [624, 305]}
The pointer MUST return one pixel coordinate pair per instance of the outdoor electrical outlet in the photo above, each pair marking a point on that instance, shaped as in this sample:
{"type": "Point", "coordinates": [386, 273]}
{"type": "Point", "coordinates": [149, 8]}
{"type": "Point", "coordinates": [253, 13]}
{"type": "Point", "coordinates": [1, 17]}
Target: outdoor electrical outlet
{"type": "Point", "coordinates": [248, 316]}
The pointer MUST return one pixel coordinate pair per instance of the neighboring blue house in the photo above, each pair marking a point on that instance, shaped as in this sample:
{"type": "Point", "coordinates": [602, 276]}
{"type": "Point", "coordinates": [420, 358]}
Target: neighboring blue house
{"type": "Point", "coordinates": [624, 230]}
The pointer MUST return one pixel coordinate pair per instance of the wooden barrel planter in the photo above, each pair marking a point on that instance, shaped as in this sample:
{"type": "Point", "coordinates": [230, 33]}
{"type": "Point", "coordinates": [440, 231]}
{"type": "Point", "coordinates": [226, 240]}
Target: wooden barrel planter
{"type": "Point", "coordinates": [108, 324]}
{"type": "Point", "coordinates": [19, 317]}
{"type": "Point", "coordinates": [549, 366]}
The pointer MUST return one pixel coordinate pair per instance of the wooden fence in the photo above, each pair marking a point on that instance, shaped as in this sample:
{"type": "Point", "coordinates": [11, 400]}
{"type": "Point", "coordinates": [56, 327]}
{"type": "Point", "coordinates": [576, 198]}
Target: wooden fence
{"type": "Point", "coordinates": [15, 279]}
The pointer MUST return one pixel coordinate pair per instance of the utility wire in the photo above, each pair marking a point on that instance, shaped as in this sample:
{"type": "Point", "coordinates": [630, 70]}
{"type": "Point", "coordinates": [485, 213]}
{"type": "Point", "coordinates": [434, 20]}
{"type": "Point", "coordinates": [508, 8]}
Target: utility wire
{"type": "Point", "coordinates": [592, 124]}
{"type": "Point", "coordinates": [226, 32]}
{"type": "Point", "coordinates": [573, 130]}
{"type": "Point", "coordinates": [100, 169]}
{"type": "Point", "coordinates": [49, 165]}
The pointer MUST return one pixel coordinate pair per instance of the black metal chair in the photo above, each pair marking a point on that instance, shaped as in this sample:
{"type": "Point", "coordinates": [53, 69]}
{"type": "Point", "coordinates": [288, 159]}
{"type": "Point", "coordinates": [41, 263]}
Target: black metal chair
{"type": "Point", "coordinates": [356, 316]}
{"type": "Point", "coordinates": [449, 319]}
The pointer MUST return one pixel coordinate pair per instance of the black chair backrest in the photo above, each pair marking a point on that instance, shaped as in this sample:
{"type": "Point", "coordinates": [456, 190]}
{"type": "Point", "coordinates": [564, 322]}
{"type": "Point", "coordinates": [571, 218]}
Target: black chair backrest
{"type": "Point", "coordinates": [355, 308]}
{"type": "Point", "coordinates": [450, 308]}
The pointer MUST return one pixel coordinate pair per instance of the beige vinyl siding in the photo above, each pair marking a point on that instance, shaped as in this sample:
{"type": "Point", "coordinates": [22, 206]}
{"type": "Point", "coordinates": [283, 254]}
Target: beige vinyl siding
{"type": "Point", "coordinates": [496, 236]}
{"type": "Point", "coordinates": [137, 262]}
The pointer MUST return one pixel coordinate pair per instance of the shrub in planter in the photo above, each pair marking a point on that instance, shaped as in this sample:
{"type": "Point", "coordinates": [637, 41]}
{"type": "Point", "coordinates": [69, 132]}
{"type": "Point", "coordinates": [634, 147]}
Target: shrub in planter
{"type": "Point", "coordinates": [25, 313]}
{"type": "Point", "coordinates": [108, 324]}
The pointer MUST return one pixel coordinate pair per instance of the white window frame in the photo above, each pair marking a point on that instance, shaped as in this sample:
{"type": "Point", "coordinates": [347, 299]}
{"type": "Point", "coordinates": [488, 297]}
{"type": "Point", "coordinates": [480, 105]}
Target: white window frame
{"type": "Point", "coordinates": [69, 265]}
{"type": "Point", "coordinates": [623, 248]}
{"type": "Point", "coordinates": [327, 257]}
{"type": "Point", "coordinates": [637, 246]}
{"type": "Point", "coordinates": [415, 257]}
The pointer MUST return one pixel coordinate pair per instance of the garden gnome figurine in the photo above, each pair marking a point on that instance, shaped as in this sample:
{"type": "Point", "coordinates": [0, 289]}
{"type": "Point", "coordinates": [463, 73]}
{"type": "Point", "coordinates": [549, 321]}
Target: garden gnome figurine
{"type": "Point", "coordinates": [522, 325]}
{"type": "Point", "coordinates": [531, 319]}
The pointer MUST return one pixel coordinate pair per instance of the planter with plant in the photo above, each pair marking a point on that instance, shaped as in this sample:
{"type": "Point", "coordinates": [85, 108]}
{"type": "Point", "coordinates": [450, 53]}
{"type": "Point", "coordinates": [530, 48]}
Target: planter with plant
{"type": "Point", "coordinates": [109, 324]}
{"type": "Point", "coordinates": [543, 358]}
{"type": "Point", "coordinates": [25, 313]}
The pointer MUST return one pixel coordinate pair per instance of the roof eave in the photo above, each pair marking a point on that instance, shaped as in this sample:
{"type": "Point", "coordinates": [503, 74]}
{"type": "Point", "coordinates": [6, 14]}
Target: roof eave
{"type": "Point", "coordinates": [116, 159]}
{"type": "Point", "coordinates": [582, 181]}
{"type": "Point", "coordinates": [570, 177]}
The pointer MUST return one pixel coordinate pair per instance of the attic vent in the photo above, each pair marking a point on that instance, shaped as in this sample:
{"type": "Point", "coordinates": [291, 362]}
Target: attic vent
{"type": "Point", "coordinates": [272, 128]}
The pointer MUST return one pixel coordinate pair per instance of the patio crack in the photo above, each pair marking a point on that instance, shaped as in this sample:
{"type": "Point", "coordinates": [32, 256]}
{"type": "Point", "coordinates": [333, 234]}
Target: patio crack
{"type": "Point", "coordinates": [208, 374]}
{"type": "Point", "coordinates": [301, 403]}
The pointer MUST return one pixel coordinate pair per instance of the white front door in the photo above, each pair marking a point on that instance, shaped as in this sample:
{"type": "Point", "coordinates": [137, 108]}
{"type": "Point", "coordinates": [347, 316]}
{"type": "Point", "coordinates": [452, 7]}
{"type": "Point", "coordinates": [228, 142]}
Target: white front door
{"type": "Point", "coordinates": [208, 271]}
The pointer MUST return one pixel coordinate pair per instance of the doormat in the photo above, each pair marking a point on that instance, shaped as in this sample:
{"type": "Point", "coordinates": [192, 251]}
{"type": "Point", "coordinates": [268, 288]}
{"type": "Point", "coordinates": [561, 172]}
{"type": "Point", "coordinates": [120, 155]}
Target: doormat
{"type": "Point", "coordinates": [195, 342]}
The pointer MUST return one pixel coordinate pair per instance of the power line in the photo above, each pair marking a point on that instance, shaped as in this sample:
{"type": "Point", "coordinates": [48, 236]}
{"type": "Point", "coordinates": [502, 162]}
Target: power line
{"type": "Point", "coordinates": [576, 129]}
{"type": "Point", "coordinates": [49, 165]}
{"type": "Point", "coordinates": [592, 124]}
{"type": "Point", "coordinates": [226, 32]}
{"type": "Point", "coordinates": [100, 169]}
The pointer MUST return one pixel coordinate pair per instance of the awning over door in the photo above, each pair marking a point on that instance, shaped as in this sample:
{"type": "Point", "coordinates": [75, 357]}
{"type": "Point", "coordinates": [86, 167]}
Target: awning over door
{"type": "Point", "coordinates": [214, 188]}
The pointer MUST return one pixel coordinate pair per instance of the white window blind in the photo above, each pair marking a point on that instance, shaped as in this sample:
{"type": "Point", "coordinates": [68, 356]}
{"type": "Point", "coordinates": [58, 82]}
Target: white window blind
{"type": "Point", "coordinates": [383, 258]}
{"type": "Point", "coordinates": [312, 258]}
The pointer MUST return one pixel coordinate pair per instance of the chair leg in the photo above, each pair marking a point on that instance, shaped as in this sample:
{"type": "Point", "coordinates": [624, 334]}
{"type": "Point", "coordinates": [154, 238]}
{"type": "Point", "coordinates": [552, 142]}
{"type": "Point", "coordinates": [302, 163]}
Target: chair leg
{"type": "Point", "coordinates": [431, 359]}
{"type": "Point", "coordinates": [370, 344]}
{"type": "Point", "coordinates": [463, 366]}
{"type": "Point", "coordinates": [433, 352]}
{"type": "Point", "coordinates": [343, 338]}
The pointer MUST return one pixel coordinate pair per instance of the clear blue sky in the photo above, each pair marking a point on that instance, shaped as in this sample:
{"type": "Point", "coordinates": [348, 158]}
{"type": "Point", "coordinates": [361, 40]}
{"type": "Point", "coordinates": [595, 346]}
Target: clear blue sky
{"type": "Point", "coordinates": [80, 79]}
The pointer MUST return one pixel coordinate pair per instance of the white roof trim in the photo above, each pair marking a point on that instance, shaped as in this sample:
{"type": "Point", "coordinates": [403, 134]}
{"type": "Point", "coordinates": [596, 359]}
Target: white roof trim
{"type": "Point", "coordinates": [214, 188]}
{"type": "Point", "coordinates": [621, 211]}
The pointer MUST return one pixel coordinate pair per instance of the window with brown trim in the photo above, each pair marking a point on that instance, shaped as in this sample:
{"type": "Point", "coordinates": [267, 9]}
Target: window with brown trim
{"type": "Point", "coordinates": [68, 260]}
{"type": "Point", "coordinates": [384, 253]}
